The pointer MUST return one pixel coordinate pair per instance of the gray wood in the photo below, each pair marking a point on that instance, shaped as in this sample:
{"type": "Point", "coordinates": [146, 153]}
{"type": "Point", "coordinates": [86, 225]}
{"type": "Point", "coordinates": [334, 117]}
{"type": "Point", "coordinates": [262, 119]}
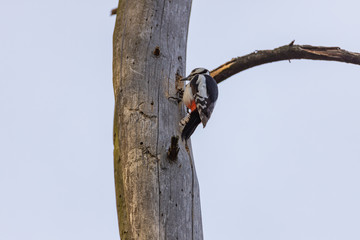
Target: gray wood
{"type": "Point", "coordinates": [157, 198]}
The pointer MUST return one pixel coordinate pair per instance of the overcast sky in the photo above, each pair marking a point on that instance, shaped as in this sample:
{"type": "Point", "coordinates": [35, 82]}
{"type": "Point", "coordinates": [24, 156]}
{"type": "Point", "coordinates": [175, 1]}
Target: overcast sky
{"type": "Point", "coordinates": [279, 159]}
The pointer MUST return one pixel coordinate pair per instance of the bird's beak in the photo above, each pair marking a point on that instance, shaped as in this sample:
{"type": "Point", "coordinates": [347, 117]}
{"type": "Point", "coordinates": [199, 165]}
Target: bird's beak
{"type": "Point", "coordinates": [184, 79]}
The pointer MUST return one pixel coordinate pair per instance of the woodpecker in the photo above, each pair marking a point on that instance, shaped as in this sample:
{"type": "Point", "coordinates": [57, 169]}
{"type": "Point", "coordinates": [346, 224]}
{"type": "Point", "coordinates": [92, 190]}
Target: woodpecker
{"type": "Point", "coordinates": [199, 96]}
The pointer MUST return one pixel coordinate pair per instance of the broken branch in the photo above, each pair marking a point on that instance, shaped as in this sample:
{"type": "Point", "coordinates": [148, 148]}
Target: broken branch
{"type": "Point", "coordinates": [113, 11]}
{"type": "Point", "coordinates": [173, 149]}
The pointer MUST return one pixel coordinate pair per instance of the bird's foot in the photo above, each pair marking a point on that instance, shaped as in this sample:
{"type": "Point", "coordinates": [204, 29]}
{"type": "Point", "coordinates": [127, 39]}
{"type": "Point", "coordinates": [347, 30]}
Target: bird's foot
{"type": "Point", "coordinates": [178, 97]}
{"type": "Point", "coordinates": [184, 121]}
{"type": "Point", "coordinates": [175, 98]}
{"type": "Point", "coordinates": [180, 93]}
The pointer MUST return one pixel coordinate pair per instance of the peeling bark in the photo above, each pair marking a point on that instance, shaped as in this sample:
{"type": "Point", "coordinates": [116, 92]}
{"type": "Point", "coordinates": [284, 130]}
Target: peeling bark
{"type": "Point", "coordinates": [156, 198]}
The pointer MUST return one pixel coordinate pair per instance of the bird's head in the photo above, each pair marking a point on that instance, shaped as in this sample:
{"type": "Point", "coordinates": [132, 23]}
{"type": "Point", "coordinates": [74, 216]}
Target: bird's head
{"type": "Point", "coordinates": [195, 72]}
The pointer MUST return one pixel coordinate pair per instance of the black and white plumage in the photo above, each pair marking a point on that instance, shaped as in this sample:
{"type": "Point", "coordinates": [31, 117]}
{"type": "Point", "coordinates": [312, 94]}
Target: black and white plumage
{"type": "Point", "coordinates": [200, 97]}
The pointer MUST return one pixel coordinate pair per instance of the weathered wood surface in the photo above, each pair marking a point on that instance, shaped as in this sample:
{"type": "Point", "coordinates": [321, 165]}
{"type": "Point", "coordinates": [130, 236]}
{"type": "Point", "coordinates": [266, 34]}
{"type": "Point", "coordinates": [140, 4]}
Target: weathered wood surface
{"type": "Point", "coordinates": [157, 198]}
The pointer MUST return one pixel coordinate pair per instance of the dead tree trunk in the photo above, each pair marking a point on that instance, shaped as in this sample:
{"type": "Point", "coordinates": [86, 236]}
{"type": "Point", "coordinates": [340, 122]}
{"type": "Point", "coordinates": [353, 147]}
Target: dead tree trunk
{"type": "Point", "coordinates": [157, 193]}
{"type": "Point", "coordinates": [157, 198]}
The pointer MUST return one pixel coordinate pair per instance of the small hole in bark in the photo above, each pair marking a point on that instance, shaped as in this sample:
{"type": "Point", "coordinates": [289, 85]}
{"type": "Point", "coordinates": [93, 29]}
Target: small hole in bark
{"type": "Point", "coordinates": [179, 58]}
{"type": "Point", "coordinates": [175, 204]}
{"type": "Point", "coordinates": [152, 103]}
{"type": "Point", "coordinates": [157, 51]}
{"type": "Point", "coordinates": [141, 143]}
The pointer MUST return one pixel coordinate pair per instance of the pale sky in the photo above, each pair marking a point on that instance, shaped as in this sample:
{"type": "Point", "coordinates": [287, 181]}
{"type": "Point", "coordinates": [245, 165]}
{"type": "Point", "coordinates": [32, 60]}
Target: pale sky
{"type": "Point", "coordinates": [278, 160]}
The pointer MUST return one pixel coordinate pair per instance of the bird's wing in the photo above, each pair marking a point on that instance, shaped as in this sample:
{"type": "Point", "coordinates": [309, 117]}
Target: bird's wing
{"type": "Point", "coordinates": [201, 96]}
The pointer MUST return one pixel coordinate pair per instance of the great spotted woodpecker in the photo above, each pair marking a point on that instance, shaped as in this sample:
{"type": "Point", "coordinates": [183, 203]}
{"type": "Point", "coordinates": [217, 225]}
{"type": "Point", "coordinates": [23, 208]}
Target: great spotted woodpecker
{"type": "Point", "coordinates": [199, 96]}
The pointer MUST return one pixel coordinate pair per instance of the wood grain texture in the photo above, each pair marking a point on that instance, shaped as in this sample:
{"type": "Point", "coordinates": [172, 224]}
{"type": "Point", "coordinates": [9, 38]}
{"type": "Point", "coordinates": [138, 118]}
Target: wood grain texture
{"type": "Point", "coordinates": [286, 52]}
{"type": "Point", "coordinates": [156, 198]}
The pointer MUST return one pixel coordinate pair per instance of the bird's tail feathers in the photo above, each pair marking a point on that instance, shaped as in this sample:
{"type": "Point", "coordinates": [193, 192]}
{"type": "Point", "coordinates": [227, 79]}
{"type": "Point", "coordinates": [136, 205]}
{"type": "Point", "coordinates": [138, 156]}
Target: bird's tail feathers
{"type": "Point", "coordinates": [191, 125]}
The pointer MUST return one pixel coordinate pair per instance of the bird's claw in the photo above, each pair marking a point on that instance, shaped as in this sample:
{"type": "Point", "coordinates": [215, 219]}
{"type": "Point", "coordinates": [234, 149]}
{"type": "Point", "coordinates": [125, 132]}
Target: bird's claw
{"type": "Point", "coordinates": [184, 121]}
{"type": "Point", "coordinates": [178, 100]}
{"type": "Point", "coordinates": [179, 95]}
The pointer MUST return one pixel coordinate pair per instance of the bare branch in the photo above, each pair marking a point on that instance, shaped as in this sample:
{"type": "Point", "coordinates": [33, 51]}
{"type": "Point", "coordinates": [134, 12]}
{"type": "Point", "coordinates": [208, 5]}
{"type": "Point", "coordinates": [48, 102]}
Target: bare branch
{"type": "Point", "coordinates": [174, 148]}
{"type": "Point", "coordinates": [286, 52]}
{"type": "Point", "coordinates": [113, 11]}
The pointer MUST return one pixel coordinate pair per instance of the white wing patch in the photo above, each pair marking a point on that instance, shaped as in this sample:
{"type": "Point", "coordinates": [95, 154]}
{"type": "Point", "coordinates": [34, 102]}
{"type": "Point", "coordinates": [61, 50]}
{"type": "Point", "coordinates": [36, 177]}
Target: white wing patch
{"type": "Point", "coordinates": [201, 82]}
{"type": "Point", "coordinates": [201, 95]}
{"type": "Point", "coordinates": [201, 99]}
